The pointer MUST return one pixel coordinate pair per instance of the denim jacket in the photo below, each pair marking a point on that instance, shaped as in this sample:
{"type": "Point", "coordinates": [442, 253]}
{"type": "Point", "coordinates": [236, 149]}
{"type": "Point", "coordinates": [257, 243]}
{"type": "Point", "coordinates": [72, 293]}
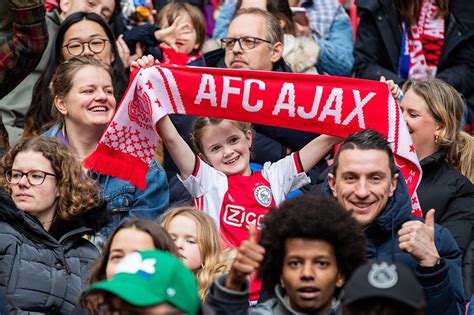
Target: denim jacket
{"type": "Point", "coordinates": [124, 199]}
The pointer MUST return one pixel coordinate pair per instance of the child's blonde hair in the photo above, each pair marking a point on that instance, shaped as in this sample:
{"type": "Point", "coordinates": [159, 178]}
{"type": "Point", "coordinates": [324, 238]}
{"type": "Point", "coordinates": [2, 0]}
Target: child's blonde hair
{"type": "Point", "coordinates": [203, 122]}
{"type": "Point", "coordinates": [214, 262]}
{"type": "Point", "coordinates": [174, 9]}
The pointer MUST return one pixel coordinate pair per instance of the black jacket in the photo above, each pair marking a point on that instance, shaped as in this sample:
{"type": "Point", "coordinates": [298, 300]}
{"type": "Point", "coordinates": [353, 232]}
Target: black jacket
{"type": "Point", "coordinates": [451, 194]}
{"type": "Point", "coordinates": [379, 37]}
{"type": "Point", "coordinates": [41, 272]}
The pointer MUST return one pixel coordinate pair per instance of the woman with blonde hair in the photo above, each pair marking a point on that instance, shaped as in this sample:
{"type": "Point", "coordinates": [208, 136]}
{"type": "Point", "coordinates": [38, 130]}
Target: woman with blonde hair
{"type": "Point", "coordinates": [46, 210]}
{"type": "Point", "coordinates": [433, 111]}
{"type": "Point", "coordinates": [197, 238]}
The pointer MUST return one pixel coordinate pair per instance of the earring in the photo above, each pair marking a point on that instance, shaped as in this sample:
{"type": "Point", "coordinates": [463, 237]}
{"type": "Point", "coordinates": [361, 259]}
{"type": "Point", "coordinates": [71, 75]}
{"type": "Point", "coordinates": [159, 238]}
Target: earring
{"type": "Point", "coordinates": [436, 139]}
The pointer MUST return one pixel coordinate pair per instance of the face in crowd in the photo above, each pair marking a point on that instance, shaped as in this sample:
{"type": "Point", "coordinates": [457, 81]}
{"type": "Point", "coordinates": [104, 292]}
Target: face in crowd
{"type": "Point", "coordinates": [227, 148]}
{"type": "Point", "coordinates": [104, 8]}
{"type": "Point", "coordinates": [33, 185]}
{"type": "Point", "coordinates": [310, 275]}
{"type": "Point", "coordinates": [90, 101]}
{"type": "Point", "coordinates": [184, 232]}
{"type": "Point", "coordinates": [252, 32]}
{"type": "Point", "coordinates": [422, 126]}
{"type": "Point", "coordinates": [363, 183]}
{"type": "Point", "coordinates": [87, 38]}
{"type": "Point", "coordinates": [124, 242]}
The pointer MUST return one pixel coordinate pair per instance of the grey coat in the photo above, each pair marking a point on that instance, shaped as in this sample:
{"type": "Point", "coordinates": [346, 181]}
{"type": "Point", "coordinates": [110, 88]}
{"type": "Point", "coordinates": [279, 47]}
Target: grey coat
{"type": "Point", "coordinates": [41, 273]}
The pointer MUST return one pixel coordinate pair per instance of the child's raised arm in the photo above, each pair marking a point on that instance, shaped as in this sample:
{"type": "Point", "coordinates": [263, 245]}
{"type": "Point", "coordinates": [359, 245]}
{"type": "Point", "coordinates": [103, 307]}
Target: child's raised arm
{"type": "Point", "coordinates": [316, 149]}
{"type": "Point", "coordinates": [180, 152]}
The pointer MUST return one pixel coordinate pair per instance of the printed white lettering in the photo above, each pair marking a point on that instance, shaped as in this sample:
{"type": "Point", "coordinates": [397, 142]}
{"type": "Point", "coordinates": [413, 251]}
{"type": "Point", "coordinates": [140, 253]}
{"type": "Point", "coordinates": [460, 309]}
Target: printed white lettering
{"type": "Point", "coordinates": [238, 216]}
{"type": "Point", "coordinates": [245, 102]}
{"type": "Point", "coordinates": [287, 91]}
{"type": "Point", "coordinates": [334, 97]}
{"type": "Point", "coordinates": [358, 108]}
{"type": "Point", "coordinates": [227, 89]}
{"type": "Point", "coordinates": [314, 109]}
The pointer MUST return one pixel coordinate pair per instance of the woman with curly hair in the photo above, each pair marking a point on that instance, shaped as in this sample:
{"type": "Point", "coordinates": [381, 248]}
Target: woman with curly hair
{"type": "Point", "coordinates": [198, 241]}
{"type": "Point", "coordinates": [47, 209]}
{"type": "Point", "coordinates": [309, 247]}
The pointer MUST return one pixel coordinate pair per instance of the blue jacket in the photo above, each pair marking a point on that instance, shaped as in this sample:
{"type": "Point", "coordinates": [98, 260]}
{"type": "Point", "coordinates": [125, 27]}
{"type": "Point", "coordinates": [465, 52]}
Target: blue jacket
{"type": "Point", "coordinates": [442, 284]}
{"type": "Point", "coordinates": [125, 199]}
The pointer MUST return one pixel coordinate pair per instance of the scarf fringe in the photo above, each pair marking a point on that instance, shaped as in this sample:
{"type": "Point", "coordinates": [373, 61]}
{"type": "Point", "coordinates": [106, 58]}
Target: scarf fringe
{"type": "Point", "coordinates": [118, 164]}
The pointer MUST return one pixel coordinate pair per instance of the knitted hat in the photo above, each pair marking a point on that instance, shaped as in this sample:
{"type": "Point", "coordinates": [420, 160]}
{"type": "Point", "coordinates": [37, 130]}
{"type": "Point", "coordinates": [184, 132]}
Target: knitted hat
{"type": "Point", "coordinates": [150, 278]}
{"type": "Point", "coordinates": [392, 281]}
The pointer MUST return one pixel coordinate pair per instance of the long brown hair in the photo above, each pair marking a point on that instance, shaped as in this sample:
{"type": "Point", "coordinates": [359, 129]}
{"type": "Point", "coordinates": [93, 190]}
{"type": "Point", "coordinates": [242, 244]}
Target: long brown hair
{"type": "Point", "coordinates": [410, 9]}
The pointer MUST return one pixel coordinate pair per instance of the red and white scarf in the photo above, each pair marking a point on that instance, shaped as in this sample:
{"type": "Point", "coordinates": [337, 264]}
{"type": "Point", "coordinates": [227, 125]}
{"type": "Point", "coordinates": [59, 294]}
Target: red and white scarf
{"type": "Point", "coordinates": [322, 104]}
{"type": "Point", "coordinates": [425, 42]}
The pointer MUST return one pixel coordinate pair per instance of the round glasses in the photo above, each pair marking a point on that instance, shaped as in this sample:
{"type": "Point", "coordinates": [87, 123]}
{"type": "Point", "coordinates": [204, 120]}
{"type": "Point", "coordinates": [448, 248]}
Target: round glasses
{"type": "Point", "coordinates": [34, 177]}
{"type": "Point", "coordinates": [245, 42]}
{"type": "Point", "coordinates": [95, 45]}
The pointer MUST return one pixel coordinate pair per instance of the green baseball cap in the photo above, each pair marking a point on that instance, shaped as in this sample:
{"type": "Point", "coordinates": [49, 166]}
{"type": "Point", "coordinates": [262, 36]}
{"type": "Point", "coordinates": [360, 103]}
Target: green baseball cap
{"type": "Point", "coordinates": [149, 278]}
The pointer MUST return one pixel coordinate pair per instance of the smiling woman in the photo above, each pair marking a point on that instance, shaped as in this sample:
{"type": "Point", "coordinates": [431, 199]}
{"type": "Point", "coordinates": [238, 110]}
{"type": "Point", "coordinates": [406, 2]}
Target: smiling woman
{"type": "Point", "coordinates": [84, 104]}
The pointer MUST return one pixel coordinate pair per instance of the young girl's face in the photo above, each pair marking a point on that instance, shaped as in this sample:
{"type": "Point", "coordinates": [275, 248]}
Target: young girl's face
{"type": "Point", "coordinates": [187, 37]}
{"type": "Point", "coordinates": [184, 232]}
{"type": "Point", "coordinates": [124, 242]}
{"type": "Point", "coordinates": [227, 148]}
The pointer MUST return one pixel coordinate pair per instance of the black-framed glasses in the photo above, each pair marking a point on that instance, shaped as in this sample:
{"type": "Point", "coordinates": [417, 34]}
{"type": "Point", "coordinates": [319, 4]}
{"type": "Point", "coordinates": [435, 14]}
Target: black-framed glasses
{"type": "Point", "coordinates": [245, 42]}
{"type": "Point", "coordinates": [96, 45]}
{"type": "Point", "coordinates": [34, 177]}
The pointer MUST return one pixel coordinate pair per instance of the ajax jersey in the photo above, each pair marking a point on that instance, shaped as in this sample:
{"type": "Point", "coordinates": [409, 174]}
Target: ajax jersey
{"type": "Point", "coordinates": [235, 202]}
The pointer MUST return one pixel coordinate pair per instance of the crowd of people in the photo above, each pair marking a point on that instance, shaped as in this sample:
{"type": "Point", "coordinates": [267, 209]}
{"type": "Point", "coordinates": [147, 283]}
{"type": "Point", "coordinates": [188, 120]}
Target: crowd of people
{"type": "Point", "coordinates": [219, 229]}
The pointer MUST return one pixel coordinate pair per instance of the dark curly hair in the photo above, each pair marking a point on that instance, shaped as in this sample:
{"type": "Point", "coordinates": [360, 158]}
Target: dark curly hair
{"type": "Point", "coordinates": [313, 217]}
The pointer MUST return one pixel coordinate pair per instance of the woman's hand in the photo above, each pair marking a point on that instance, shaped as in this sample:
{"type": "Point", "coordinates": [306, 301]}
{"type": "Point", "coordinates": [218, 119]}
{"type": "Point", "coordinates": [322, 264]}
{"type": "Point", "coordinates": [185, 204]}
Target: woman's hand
{"type": "Point", "coordinates": [395, 90]}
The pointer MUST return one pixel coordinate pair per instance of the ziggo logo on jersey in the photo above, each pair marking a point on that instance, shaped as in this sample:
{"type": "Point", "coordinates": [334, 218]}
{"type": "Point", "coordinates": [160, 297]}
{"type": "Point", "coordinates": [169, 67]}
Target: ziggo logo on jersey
{"type": "Point", "coordinates": [238, 216]}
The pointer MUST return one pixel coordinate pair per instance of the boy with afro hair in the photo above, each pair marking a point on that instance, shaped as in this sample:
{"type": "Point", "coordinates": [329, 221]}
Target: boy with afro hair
{"type": "Point", "coordinates": [309, 246]}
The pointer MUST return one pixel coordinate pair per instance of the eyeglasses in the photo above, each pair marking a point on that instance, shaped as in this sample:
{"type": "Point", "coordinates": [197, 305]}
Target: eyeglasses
{"type": "Point", "coordinates": [95, 45]}
{"type": "Point", "coordinates": [245, 43]}
{"type": "Point", "coordinates": [34, 177]}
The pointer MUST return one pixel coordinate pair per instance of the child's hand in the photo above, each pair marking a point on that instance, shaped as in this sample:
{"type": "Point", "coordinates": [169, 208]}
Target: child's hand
{"type": "Point", "coordinates": [394, 88]}
{"type": "Point", "coordinates": [143, 62]}
{"type": "Point", "coordinates": [248, 260]}
{"type": "Point", "coordinates": [169, 35]}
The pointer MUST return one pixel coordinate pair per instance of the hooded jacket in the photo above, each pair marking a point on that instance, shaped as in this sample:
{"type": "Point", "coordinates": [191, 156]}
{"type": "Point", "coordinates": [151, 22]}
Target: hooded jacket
{"type": "Point", "coordinates": [225, 301]}
{"type": "Point", "coordinates": [442, 284]}
{"type": "Point", "coordinates": [41, 272]}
